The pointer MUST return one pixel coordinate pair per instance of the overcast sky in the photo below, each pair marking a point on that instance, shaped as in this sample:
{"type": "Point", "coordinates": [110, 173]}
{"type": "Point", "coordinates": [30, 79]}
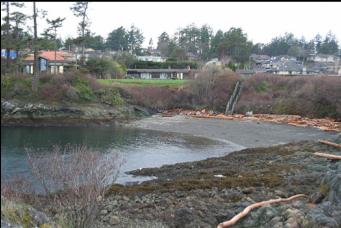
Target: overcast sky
{"type": "Point", "coordinates": [260, 20]}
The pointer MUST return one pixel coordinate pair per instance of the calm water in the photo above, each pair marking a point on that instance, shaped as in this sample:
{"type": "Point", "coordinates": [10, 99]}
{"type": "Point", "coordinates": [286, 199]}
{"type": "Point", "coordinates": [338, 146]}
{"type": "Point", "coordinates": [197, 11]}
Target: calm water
{"type": "Point", "coordinates": [139, 148]}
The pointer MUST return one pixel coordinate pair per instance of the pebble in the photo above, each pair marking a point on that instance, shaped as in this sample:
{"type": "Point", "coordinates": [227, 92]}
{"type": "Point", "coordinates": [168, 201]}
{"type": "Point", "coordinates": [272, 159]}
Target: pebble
{"type": "Point", "coordinates": [114, 220]}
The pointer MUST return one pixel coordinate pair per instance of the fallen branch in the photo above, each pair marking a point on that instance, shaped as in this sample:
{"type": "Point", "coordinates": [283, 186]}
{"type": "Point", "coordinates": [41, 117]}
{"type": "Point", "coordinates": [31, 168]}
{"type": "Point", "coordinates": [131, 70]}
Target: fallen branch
{"type": "Point", "coordinates": [330, 143]}
{"type": "Point", "coordinates": [329, 156]}
{"type": "Point", "coordinates": [242, 214]}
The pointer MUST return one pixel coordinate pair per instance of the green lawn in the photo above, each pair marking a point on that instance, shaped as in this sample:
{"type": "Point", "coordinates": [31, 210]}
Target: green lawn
{"type": "Point", "coordinates": [144, 82]}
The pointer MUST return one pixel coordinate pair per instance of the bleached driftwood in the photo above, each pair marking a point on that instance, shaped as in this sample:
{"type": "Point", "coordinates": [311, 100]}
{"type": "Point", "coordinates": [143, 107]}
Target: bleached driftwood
{"type": "Point", "coordinates": [329, 156]}
{"type": "Point", "coordinates": [330, 143]}
{"type": "Point", "coordinates": [242, 214]}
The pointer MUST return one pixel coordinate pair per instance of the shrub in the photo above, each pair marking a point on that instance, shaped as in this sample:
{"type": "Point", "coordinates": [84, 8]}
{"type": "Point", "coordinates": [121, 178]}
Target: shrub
{"type": "Point", "coordinates": [75, 179]}
{"type": "Point", "coordinates": [105, 68]}
{"type": "Point", "coordinates": [82, 85]}
{"type": "Point", "coordinates": [52, 91]}
{"type": "Point", "coordinates": [154, 97]}
{"type": "Point", "coordinates": [15, 86]}
{"type": "Point", "coordinates": [110, 96]}
{"type": "Point", "coordinates": [313, 96]}
{"type": "Point", "coordinates": [262, 87]}
{"type": "Point", "coordinates": [212, 88]}
{"type": "Point", "coordinates": [71, 94]}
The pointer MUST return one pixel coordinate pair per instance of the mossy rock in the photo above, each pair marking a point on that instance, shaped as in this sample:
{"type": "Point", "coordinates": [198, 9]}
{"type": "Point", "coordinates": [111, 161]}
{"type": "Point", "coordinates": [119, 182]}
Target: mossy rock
{"type": "Point", "coordinates": [22, 214]}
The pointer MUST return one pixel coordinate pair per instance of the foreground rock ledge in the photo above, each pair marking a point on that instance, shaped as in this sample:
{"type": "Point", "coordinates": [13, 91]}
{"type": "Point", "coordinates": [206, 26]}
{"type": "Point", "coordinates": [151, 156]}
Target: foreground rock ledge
{"type": "Point", "coordinates": [208, 192]}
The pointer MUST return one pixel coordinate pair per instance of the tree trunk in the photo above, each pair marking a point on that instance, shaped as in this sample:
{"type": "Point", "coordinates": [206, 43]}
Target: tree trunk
{"type": "Point", "coordinates": [7, 34]}
{"type": "Point", "coordinates": [17, 63]}
{"type": "Point", "coordinates": [35, 63]}
{"type": "Point", "coordinates": [83, 36]}
{"type": "Point", "coordinates": [55, 51]}
{"type": "Point", "coordinates": [55, 61]}
{"type": "Point", "coordinates": [82, 46]}
{"type": "Point", "coordinates": [330, 143]}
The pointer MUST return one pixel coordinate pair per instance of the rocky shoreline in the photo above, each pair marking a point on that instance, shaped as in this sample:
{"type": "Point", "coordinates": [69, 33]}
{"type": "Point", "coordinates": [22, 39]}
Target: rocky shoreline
{"type": "Point", "coordinates": [208, 192]}
{"type": "Point", "coordinates": [205, 193]}
{"type": "Point", "coordinates": [19, 113]}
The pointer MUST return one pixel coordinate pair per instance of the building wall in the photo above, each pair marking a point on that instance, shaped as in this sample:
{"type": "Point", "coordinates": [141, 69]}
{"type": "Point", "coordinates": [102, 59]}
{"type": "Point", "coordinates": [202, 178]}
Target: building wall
{"type": "Point", "coordinates": [157, 75]}
{"type": "Point", "coordinates": [151, 58]}
{"type": "Point", "coordinates": [164, 76]}
{"type": "Point", "coordinates": [179, 76]}
{"type": "Point", "coordinates": [57, 69]}
{"type": "Point", "coordinates": [283, 72]}
{"type": "Point", "coordinates": [145, 75]}
{"type": "Point", "coordinates": [28, 69]}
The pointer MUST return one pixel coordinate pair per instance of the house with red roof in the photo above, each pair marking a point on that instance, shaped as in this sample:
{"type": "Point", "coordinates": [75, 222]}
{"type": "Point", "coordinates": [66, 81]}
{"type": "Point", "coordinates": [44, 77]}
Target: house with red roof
{"type": "Point", "coordinates": [49, 62]}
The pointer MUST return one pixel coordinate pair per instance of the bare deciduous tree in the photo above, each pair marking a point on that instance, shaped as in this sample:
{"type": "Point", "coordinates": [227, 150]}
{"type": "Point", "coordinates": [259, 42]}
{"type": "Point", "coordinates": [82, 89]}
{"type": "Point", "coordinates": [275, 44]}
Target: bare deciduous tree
{"type": "Point", "coordinates": [76, 178]}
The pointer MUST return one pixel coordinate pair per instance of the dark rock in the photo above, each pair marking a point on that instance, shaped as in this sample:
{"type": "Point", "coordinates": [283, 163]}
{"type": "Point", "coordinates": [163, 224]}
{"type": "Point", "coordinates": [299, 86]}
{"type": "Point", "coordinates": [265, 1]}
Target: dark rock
{"type": "Point", "coordinates": [183, 216]}
{"type": "Point", "coordinates": [248, 190]}
{"type": "Point", "coordinates": [316, 197]}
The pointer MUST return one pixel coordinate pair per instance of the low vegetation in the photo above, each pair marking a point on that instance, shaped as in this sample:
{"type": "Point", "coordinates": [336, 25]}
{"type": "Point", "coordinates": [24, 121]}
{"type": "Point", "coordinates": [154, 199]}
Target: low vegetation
{"type": "Point", "coordinates": [72, 87]}
{"type": "Point", "coordinates": [311, 96]}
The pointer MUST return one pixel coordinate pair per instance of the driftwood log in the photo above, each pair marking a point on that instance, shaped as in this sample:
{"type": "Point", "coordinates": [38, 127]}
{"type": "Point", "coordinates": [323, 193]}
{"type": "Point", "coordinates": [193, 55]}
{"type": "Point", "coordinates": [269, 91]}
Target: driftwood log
{"type": "Point", "coordinates": [329, 156]}
{"type": "Point", "coordinates": [242, 214]}
{"type": "Point", "coordinates": [330, 143]}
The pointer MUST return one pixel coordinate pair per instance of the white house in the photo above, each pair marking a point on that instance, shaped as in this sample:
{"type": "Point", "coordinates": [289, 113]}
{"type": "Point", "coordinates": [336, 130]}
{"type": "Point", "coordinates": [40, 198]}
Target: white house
{"type": "Point", "coordinates": [322, 58]}
{"type": "Point", "coordinates": [48, 62]}
{"type": "Point", "coordinates": [158, 73]}
{"type": "Point", "coordinates": [151, 58]}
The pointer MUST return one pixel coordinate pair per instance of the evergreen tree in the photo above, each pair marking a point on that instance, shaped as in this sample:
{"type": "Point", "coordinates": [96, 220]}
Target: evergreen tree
{"type": "Point", "coordinates": [80, 9]}
{"type": "Point", "coordinates": [118, 40]}
{"type": "Point", "coordinates": [52, 32]}
{"type": "Point", "coordinates": [163, 44]}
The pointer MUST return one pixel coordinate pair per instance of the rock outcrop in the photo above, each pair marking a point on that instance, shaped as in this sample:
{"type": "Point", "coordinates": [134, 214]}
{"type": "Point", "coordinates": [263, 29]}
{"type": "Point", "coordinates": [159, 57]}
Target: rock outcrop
{"type": "Point", "coordinates": [14, 112]}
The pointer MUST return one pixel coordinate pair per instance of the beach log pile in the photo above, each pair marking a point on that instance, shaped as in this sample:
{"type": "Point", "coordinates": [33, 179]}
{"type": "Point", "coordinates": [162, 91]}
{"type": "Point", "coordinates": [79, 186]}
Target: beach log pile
{"type": "Point", "coordinates": [324, 124]}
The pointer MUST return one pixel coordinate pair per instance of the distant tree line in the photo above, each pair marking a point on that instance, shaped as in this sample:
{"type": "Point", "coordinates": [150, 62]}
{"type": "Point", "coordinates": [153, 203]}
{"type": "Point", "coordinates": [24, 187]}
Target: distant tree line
{"type": "Point", "coordinates": [300, 48]}
{"type": "Point", "coordinates": [202, 43]}
{"type": "Point", "coordinates": [188, 43]}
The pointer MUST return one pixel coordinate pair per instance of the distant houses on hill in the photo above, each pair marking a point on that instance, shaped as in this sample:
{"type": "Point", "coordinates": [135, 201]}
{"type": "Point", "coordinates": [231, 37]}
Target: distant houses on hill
{"type": "Point", "coordinates": [288, 65]}
{"type": "Point", "coordinates": [319, 64]}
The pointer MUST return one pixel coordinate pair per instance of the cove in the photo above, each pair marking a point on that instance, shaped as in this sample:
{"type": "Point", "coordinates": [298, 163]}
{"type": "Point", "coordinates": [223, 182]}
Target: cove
{"type": "Point", "coordinates": [139, 148]}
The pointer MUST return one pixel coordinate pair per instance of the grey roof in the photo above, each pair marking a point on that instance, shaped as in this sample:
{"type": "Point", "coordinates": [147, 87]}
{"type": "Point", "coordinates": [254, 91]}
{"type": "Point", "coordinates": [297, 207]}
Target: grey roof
{"type": "Point", "coordinates": [242, 71]}
{"type": "Point", "coordinates": [158, 70]}
{"type": "Point", "coordinates": [288, 65]}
